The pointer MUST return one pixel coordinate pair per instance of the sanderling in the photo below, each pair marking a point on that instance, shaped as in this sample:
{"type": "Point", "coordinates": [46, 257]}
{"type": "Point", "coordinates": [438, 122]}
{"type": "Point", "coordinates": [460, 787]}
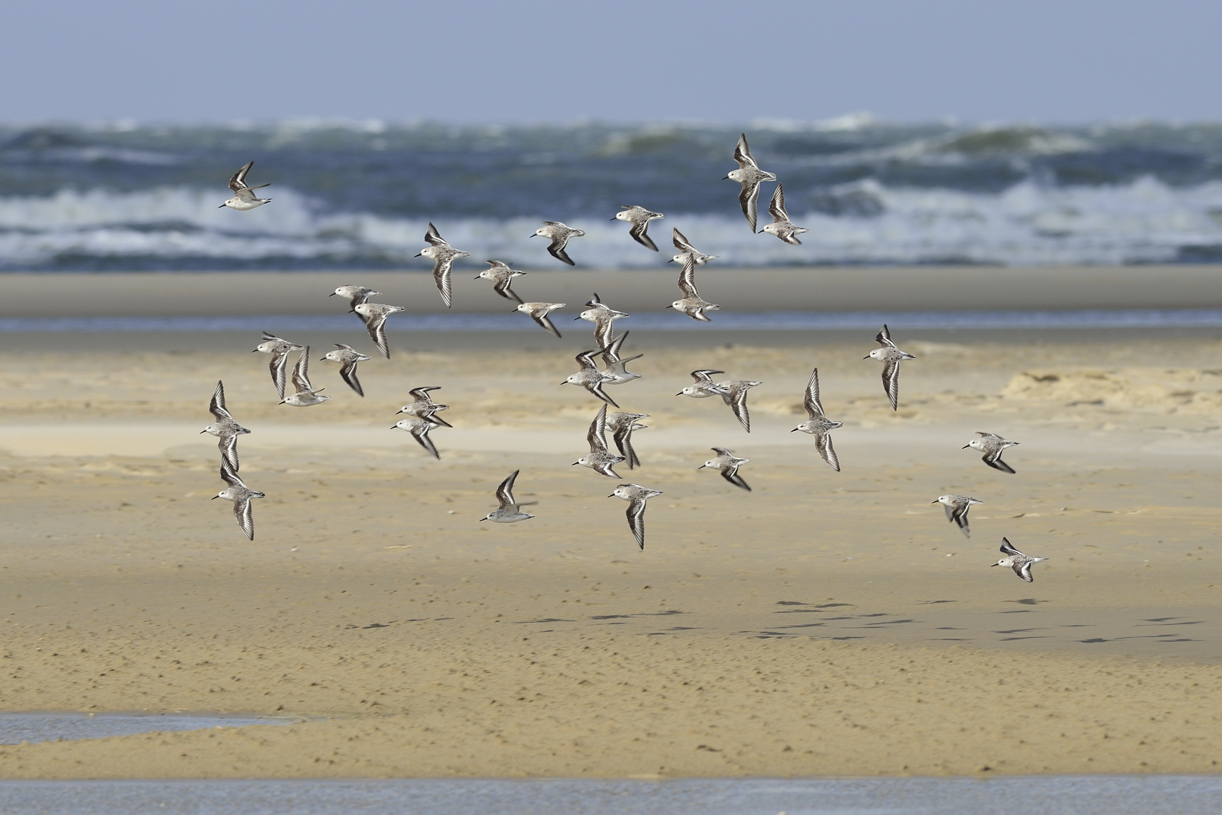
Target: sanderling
{"type": "Point", "coordinates": [599, 459]}
{"type": "Point", "coordinates": [347, 357]}
{"type": "Point", "coordinates": [818, 425]}
{"type": "Point", "coordinates": [692, 304]}
{"type": "Point", "coordinates": [305, 395]}
{"type": "Point", "coordinates": [243, 194]}
{"type": "Point", "coordinates": [602, 316]}
{"type": "Point", "coordinates": [622, 425]}
{"type": "Point", "coordinates": [374, 315]}
{"type": "Point", "coordinates": [734, 393]}
{"type": "Point", "coordinates": [781, 226]}
{"type": "Point", "coordinates": [891, 358]}
{"type": "Point", "coordinates": [704, 386]}
{"type": "Point", "coordinates": [278, 365]}
{"type": "Point", "coordinates": [1016, 560]}
{"type": "Point", "coordinates": [589, 377]}
{"type": "Point", "coordinates": [728, 464]}
{"type": "Point", "coordinates": [992, 445]}
{"type": "Point", "coordinates": [423, 406]}
{"type": "Point", "coordinates": [510, 510]}
{"type": "Point", "coordinates": [956, 507]}
{"type": "Point", "coordinates": [443, 256]}
{"type": "Point", "coordinates": [224, 428]}
{"type": "Point", "coordinates": [539, 311]}
{"type": "Point", "coordinates": [639, 217]}
{"type": "Point", "coordinates": [687, 252]}
{"type": "Point", "coordinates": [240, 494]}
{"type": "Point", "coordinates": [419, 427]}
{"type": "Point", "coordinates": [616, 372]}
{"type": "Point", "coordinates": [501, 276]}
{"type": "Point", "coordinates": [636, 496]}
{"type": "Point", "coordinates": [355, 295]}
{"type": "Point", "coordinates": [750, 176]}
{"type": "Point", "coordinates": [559, 235]}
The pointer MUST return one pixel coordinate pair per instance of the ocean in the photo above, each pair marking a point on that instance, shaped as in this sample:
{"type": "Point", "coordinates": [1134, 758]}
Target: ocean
{"type": "Point", "coordinates": [359, 195]}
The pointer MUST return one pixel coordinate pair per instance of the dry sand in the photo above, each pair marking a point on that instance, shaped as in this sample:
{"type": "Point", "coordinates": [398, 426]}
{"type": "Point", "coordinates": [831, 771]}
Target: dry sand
{"type": "Point", "coordinates": [824, 624]}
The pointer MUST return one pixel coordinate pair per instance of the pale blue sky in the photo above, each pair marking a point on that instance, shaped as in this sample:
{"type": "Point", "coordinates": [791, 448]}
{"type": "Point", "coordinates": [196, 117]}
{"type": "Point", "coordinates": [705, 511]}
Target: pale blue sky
{"type": "Point", "coordinates": [546, 61]}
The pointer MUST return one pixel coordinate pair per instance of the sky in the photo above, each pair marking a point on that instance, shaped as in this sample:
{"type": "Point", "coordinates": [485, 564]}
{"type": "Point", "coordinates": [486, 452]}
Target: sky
{"type": "Point", "coordinates": [537, 61]}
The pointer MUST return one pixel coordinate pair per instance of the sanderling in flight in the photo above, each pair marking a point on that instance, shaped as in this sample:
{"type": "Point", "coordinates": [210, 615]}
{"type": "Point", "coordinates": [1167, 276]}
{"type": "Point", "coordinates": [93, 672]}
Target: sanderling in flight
{"type": "Point", "coordinates": [704, 386]}
{"type": "Point", "coordinates": [240, 494]}
{"type": "Point", "coordinates": [992, 445]}
{"type": "Point", "coordinates": [423, 406]}
{"type": "Point", "coordinates": [956, 507]}
{"type": "Point", "coordinates": [224, 428]}
{"type": "Point", "coordinates": [501, 276]}
{"type": "Point", "coordinates": [622, 425]}
{"type": "Point", "coordinates": [692, 304]}
{"type": "Point", "coordinates": [781, 226]}
{"type": "Point", "coordinates": [374, 315]}
{"type": "Point", "coordinates": [734, 393]}
{"type": "Point", "coordinates": [443, 256]}
{"type": "Point", "coordinates": [1016, 560]}
{"type": "Point", "coordinates": [891, 358]}
{"type": "Point", "coordinates": [278, 365]}
{"type": "Point", "coordinates": [347, 357]}
{"type": "Point", "coordinates": [355, 295]}
{"type": "Point", "coordinates": [639, 217]}
{"type": "Point", "coordinates": [750, 176]}
{"type": "Point", "coordinates": [616, 372]}
{"type": "Point", "coordinates": [818, 425]}
{"type": "Point", "coordinates": [243, 194]}
{"type": "Point", "coordinates": [559, 235]}
{"type": "Point", "coordinates": [687, 252]}
{"type": "Point", "coordinates": [602, 316]}
{"type": "Point", "coordinates": [599, 459]}
{"type": "Point", "coordinates": [636, 496]}
{"type": "Point", "coordinates": [589, 377]}
{"type": "Point", "coordinates": [539, 311]}
{"type": "Point", "coordinates": [419, 427]}
{"type": "Point", "coordinates": [305, 395]}
{"type": "Point", "coordinates": [728, 464]}
{"type": "Point", "coordinates": [510, 510]}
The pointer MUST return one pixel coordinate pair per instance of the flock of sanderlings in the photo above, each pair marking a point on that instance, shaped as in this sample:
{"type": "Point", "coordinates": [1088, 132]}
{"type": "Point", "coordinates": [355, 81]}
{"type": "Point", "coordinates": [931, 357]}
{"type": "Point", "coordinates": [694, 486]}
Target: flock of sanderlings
{"type": "Point", "coordinates": [421, 412]}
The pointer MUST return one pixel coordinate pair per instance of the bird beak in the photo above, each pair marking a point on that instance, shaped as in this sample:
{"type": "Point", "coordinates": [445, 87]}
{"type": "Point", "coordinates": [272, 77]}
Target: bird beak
{"type": "Point", "coordinates": [332, 294]}
{"type": "Point", "coordinates": [565, 382]}
{"type": "Point", "coordinates": [418, 254]}
{"type": "Point", "coordinates": [612, 495]}
{"type": "Point", "coordinates": [867, 356]}
{"type": "Point", "coordinates": [534, 236]}
{"type": "Point", "coordinates": [994, 564]}
{"type": "Point", "coordinates": [217, 496]}
{"type": "Point", "coordinates": [795, 430]}
{"type": "Point", "coordinates": [203, 431]}
{"type": "Point", "coordinates": [397, 412]}
{"type": "Point", "coordinates": [393, 426]}
{"type": "Point", "coordinates": [477, 278]}
{"type": "Point", "coordinates": [935, 502]}
{"type": "Point", "coordinates": [483, 519]}
{"type": "Point", "coordinates": [222, 206]}
{"type": "Point", "coordinates": [574, 464]}
{"type": "Point", "coordinates": [701, 467]}
{"type": "Point", "coordinates": [964, 447]}
{"type": "Point", "coordinates": [726, 178]}
{"type": "Point", "coordinates": [615, 219]}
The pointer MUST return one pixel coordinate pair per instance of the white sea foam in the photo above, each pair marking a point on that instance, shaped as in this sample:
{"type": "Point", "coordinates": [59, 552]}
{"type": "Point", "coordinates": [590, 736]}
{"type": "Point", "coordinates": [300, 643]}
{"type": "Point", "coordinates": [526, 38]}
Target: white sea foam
{"type": "Point", "coordinates": [1030, 223]}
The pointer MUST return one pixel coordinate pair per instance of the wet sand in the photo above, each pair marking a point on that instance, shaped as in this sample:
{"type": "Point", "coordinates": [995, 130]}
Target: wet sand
{"type": "Point", "coordinates": [823, 624]}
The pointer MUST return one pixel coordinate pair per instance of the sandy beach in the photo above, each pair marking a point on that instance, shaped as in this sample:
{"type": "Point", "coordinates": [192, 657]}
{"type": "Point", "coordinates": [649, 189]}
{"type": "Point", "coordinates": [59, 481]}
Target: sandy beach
{"type": "Point", "coordinates": [823, 624]}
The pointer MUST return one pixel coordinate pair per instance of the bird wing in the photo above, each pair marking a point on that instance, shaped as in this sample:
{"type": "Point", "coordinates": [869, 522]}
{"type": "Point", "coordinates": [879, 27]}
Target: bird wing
{"type": "Point", "coordinates": [502, 288]}
{"type": "Point", "coordinates": [638, 233]}
{"type": "Point", "coordinates": [422, 435]}
{"type": "Point", "coordinates": [542, 319]}
{"type": "Point", "coordinates": [748, 197]}
{"type": "Point", "coordinates": [441, 275]}
{"type": "Point", "coordinates": [705, 376]}
{"type": "Point", "coordinates": [556, 249]}
{"type": "Point", "coordinates": [1024, 570]}
{"type": "Point", "coordinates": [623, 442]}
{"type": "Point", "coordinates": [776, 207]}
{"type": "Point", "coordinates": [883, 337]}
{"type": "Point", "coordinates": [229, 475]}
{"type": "Point", "coordinates": [348, 372]}
{"type": "Point", "coordinates": [301, 373]}
{"type": "Point", "coordinates": [217, 406]}
{"type": "Point", "coordinates": [731, 474]}
{"type": "Point", "coordinates": [814, 406]}
{"type": "Point", "coordinates": [636, 520]}
{"type": "Point", "coordinates": [433, 237]}
{"type": "Point", "coordinates": [742, 153]}
{"type": "Point", "coordinates": [687, 279]}
{"type": "Point", "coordinates": [597, 434]}
{"type": "Point", "coordinates": [891, 381]}
{"type": "Point", "coordinates": [504, 493]}
{"type": "Point", "coordinates": [738, 403]}
{"type": "Point", "coordinates": [993, 459]}
{"type": "Point", "coordinates": [823, 443]}
{"type": "Point", "coordinates": [1007, 548]}
{"type": "Point", "coordinates": [681, 242]}
{"type": "Point", "coordinates": [376, 325]}
{"type": "Point", "coordinates": [237, 182]}
{"type": "Point", "coordinates": [228, 446]}
{"type": "Point", "coordinates": [596, 388]}
{"type": "Point", "coordinates": [246, 518]}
